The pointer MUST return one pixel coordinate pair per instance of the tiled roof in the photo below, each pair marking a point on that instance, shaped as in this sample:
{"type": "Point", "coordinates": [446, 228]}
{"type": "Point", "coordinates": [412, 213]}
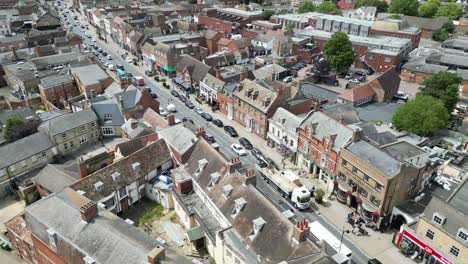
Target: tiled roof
{"type": "Point", "coordinates": [357, 93]}
{"type": "Point", "coordinates": [196, 68]}
{"type": "Point", "coordinates": [67, 122]}
{"type": "Point", "coordinates": [258, 101]}
{"type": "Point", "coordinates": [224, 42]}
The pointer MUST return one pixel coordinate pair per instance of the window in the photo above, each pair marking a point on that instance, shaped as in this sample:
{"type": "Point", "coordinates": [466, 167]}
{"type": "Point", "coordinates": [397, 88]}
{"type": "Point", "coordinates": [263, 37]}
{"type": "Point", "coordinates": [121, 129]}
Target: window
{"type": "Point", "coordinates": [363, 192]}
{"type": "Point", "coordinates": [107, 117]}
{"type": "Point", "coordinates": [462, 234]}
{"type": "Point", "coordinates": [107, 131]}
{"type": "Point", "coordinates": [344, 163]}
{"type": "Point", "coordinates": [43, 154]}
{"type": "Point", "coordinates": [83, 139]}
{"type": "Point", "coordinates": [387, 59]}
{"type": "Point", "coordinates": [378, 186]}
{"type": "Point", "coordinates": [430, 234]}
{"type": "Point", "coordinates": [65, 145]}
{"type": "Point", "coordinates": [355, 170]}
{"type": "Point", "coordinates": [64, 135]}
{"type": "Point", "coordinates": [83, 128]}
{"type": "Point", "coordinates": [13, 167]}
{"type": "Point", "coordinates": [72, 144]}
{"type": "Point", "coordinates": [366, 178]}
{"type": "Point", "coordinates": [375, 201]}
{"type": "Point", "coordinates": [23, 163]}
{"type": "Point", "coordinates": [34, 159]}
{"type": "Point", "coordinates": [371, 57]}
{"type": "Point", "coordinates": [454, 251]}
{"type": "Point", "coordinates": [341, 176]}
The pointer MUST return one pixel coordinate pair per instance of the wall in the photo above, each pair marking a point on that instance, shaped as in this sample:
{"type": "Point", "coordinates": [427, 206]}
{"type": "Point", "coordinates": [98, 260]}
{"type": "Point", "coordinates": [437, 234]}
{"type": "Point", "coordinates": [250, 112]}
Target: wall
{"type": "Point", "coordinates": [214, 23]}
{"type": "Point", "coordinates": [58, 94]}
{"type": "Point", "coordinates": [72, 140]}
{"type": "Point", "coordinates": [418, 77]}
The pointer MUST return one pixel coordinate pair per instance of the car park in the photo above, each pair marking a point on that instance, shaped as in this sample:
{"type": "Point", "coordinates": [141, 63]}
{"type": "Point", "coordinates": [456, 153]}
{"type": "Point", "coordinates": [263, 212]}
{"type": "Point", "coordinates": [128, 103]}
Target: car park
{"type": "Point", "coordinates": [246, 143]}
{"type": "Point", "coordinates": [174, 93]}
{"type": "Point", "coordinates": [189, 104]}
{"type": "Point", "coordinates": [207, 116]}
{"type": "Point", "coordinates": [238, 149]}
{"type": "Point", "coordinates": [218, 123]}
{"type": "Point", "coordinates": [231, 131]}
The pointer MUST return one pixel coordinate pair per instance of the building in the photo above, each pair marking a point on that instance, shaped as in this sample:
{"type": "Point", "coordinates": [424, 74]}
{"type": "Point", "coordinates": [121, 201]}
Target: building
{"type": "Point", "coordinates": [212, 37]}
{"type": "Point", "coordinates": [210, 86]}
{"type": "Point", "coordinates": [109, 116]}
{"type": "Point", "coordinates": [190, 72]}
{"type": "Point", "coordinates": [440, 234]}
{"type": "Point", "coordinates": [270, 72]}
{"type": "Point", "coordinates": [56, 90]}
{"type": "Point", "coordinates": [254, 104]}
{"type": "Point", "coordinates": [66, 227]}
{"type": "Point", "coordinates": [91, 78]}
{"type": "Point", "coordinates": [30, 153]}
{"type": "Point", "coordinates": [398, 28]}
{"type": "Point", "coordinates": [70, 132]}
{"type": "Point", "coordinates": [363, 12]}
{"type": "Point", "coordinates": [181, 139]}
{"type": "Point", "coordinates": [228, 20]}
{"type": "Point", "coordinates": [283, 133]}
{"type": "Point", "coordinates": [427, 25]}
{"type": "Point", "coordinates": [54, 178]}
{"type": "Point", "coordinates": [11, 43]}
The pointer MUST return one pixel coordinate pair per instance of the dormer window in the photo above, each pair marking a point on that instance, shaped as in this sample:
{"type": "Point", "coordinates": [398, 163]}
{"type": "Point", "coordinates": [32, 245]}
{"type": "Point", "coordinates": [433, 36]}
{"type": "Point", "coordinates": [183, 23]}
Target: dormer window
{"type": "Point", "coordinates": [438, 219]}
{"type": "Point", "coordinates": [239, 204]}
{"type": "Point", "coordinates": [215, 178]}
{"type": "Point", "coordinates": [462, 234]}
{"type": "Point", "coordinates": [258, 224]}
{"type": "Point", "coordinates": [227, 190]}
{"type": "Point", "coordinates": [107, 117]}
{"type": "Point", "coordinates": [116, 176]}
{"type": "Point", "coordinates": [99, 186]}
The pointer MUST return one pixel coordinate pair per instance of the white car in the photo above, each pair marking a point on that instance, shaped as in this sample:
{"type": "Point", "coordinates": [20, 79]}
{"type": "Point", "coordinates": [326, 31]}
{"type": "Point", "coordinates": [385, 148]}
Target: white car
{"type": "Point", "coordinates": [109, 57]}
{"type": "Point", "coordinates": [171, 108]}
{"type": "Point", "coordinates": [288, 79]}
{"type": "Point", "coordinates": [198, 110]}
{"type": "Point", "coordinates": [93, 40]}
{"type": "Point", "coordinates": [128, 59]}
{"type": "Point", "coordinates": [238, 149]}
{"type": "Point", "coordinates": [354, 81]}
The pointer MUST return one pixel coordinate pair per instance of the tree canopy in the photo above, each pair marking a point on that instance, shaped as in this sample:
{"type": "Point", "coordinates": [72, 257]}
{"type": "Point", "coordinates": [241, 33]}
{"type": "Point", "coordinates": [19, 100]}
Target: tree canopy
{"type": "Point", "coordinates": [339, 51]}
{"type": "Point", "coordinates": [422, 116]}
{"type": "Point", "coordinates": [440, 35]}
{"type": "Point", "coordinates": [328, 7]}
{"type": "Point", "coordinates": [306, 6]}
{"type": "Point", "coordinates": [267, 14]}
{"type": "Point", "coordinates": [289, 27]}
{"type": "Point", "coordinates": [450, 10]}
{"type": "Point", "coordinates": [16, 128]}
{"type": "Point", "coordinates": [405, 7]}
{"type": "Point", "coordinates": [428, 9]}
{"type": "Point", "coordinates": [381, 5]}
{"type": "Point", "coordinates": [443, 86]}
{"type": "Point", "coordinates": [449, 26]}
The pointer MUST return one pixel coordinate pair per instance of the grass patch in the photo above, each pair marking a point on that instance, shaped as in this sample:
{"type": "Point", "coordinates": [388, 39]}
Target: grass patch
{"type": "Point", "coordinates": [173, 217]}
{"type": "Point", "coordinates": [157, 211]}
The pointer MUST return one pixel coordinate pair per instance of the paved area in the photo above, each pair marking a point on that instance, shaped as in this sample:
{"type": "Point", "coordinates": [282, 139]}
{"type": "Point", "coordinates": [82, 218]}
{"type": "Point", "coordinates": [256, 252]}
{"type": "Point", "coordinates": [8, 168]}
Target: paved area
{"type": "Point", "coordinates": [409, 88]}
{"type": "Point", "coordinates": [9, 208]}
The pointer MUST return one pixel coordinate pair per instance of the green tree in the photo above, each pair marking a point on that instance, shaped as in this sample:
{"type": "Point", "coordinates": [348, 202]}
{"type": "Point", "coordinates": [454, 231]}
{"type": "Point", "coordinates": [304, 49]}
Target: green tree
{"type": "Point", "coordinates": [405, 7]}
{"type": "Point", "coordinates": [450, 10]}
{"type": "Point", "coordinates": [327, 7]}
{"type": "Point", "coordinates": [339, 51]}
{"type": "Point", "coordinates": [381, 5]}
{"type": "Point", "coordinates": [306, 6]}
{"type": "Point", "coordinates": [289, 26]}
{"type": "Point", "coordinates": [449, 26]}
{"type": "Point", "coordinates": [442, 86]}
{"type": "Point", "coordinates": [440, 35]}
{"type": "Point", "coordinates": [428, 9]}
{"type": "Point", "coordinates": [192, 2]}
{"type": "Point", "coordinates": [16, 128]}
{"type": "Point", "coordinates": [421, 116]}
{"type": "Point", "coordinates": [267, 14]}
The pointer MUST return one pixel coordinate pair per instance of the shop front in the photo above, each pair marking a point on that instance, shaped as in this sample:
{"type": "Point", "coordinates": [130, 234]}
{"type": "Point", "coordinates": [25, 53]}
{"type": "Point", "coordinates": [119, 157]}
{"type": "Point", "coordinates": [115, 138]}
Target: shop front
{"type": "Point", "coordinates": [367, 212]}
{"type": "Point", "coordinates": [415, 248]}
{"type": "Point", "coordinates": [341, 193]}
{"type": "Point", "coordinates": [182, 84]}
{"type": "Point", "coordinates": [168, 71]}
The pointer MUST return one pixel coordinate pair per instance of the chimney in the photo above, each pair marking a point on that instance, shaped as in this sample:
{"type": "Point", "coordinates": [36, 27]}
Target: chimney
{"type": "Point", "coordinates": [156, 255]}
{"type": "Point", "coordinates": [134, 124]}
{"type": "Point", "coordinates": [93, 94]}
{"type": "Point", "coordinates": [200, 132]}
{"type": "Point", "coordinates": [88, 211]}
{"type": "Point", "coordinates": [82, 168]}
{"type": "Point", "coordinates": [234, 164]}
{"type": "Point", "coordinates": [171, 119]}
{"type": "Point", "coordinates": [121, 102]}
{"type": "Point", "coordinates": [218, 73]}
{"type": "Point", "coordinates": [249, 177]}
{"type": "Point", "coordinates": [244, 73]}
{"type": "Point", "coordinates": [301, 230]}
{"type": "Point", "coordinates": [341, 119]}
{"type": "Point", "coordinates": [316, 105]}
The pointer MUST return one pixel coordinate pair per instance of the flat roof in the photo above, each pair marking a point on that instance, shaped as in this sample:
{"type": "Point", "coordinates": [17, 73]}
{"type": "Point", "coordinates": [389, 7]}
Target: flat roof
{"type": "Point", "coordinates": [264, 23]}
{"type": "Point", "coordinates": [237, 12]}
{"type": "Point", "coordinates": [403, 150]}
{"type": "Point", "coordinates": [459, 198]}
{"type": "Point", "coordinates": [174, 37]}
{"type": "Point", "coordinates": [305, 18]}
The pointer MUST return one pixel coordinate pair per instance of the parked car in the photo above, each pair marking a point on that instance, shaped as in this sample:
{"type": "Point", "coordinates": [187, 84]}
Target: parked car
{"type": "Point", "coordinates": [354, 81]}
{"type": "Point", "coordinates": [109, 57]}
{"type": "Point", "coordinates": [258, 154]}
{"type": "Point", "coordinates": [218, 123]}
{"type": "Point", "coordinates": [210, 138]}
{"type": "Point", "coordinates": [187, 119]}
{"type": "Point", "coordinates": [163, 112]}
{"type": "Point", "coordinates": [238, 149]}
{"type": "Point", "coordinates": [120, 67]}
{"type": "Point", "coordinates": [401, 96]}
{"type": "Point", "coordinates": [288, 79]}
{"type": "Point", "coordinates": [271, 163]}
{"type": "Point", "coordinates": [182, 98]}
{"type": "Point", "coordinates": [198, 110]}
{"type": "Point", "coordinates": [246, 143]}
{"type": "Point", "coordinates": [189, 104]}
{"type": "Point", "coordinates": [231, 131]}
{"type": "Point", "coordinates": [175, 93]}
{"type": "Point", "coordinates": [207, 116]}
{"type": "Point", "coordinates": [171, 108]}
{"type": "Point", "coordinates": [361, 78]}
{"type": "Point", "coordinates": [342, 74]}
{"type": "Point", "coordinates": [373, 261]}
{"type": "Point", "coordinates": [149, 73]}
{"type": "Point", "coordinates": [104, 53]}
{"type": "Point", "coordinates": [348, 76]}
{"type": "Point", "coordinates": [128, 59]}
{"type": "Point", "coordinates": [360, 73]}
{"type": "Point", "coordinates": [153, 94]}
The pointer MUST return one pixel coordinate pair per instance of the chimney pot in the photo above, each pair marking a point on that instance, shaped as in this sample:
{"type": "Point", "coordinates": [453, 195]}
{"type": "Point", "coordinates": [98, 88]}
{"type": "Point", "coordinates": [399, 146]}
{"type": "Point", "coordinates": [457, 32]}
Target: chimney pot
{"type": "Point", "coordinates": [171, 119]}
{"type": "Point", "coordinates": [88, 211]}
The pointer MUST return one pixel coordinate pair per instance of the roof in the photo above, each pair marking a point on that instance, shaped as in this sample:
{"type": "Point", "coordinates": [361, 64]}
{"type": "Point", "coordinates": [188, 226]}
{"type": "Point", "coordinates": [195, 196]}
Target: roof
{"type": "Point", "coordinates": [106, 107]}
{"type": "Point", "coordinates": [214, 82]}
{"type": "Point", "coordinates": [285, 119]}
{"type": "Point", "coordinates": [24, 113]}
{"type": "Point", "coordinates": [55, 177]}
{"type": "Point", "coordinates": [150, 157]}
{"type": "Point", "coordinates": [136, 131]}
{"type": "Point", "coordinates": [312, 91]}
{"type": "Point", "coordinates": [210, 34]}
{"type": "Point", "coordinates": [196, 68]}
{"type": "Point", "coordinates": [345, 111]}
{"type": "Point", "coordinates": [324, 126]}
{"type": "Point", "coordinates": [459, 60]}
{"type": "Point", "coordinates": [89, 74]}
{"type": "Point", "coordinates": [459, 198]}
{"type": "Point", "coordinates": [224, 41]}
{"type": "Point", "coordinates": [24, 148]}
{"type": "Point", "coordinates": [268, 71]}
{"type": "Point", "coordinates": [68, 122]}
{"type": "Point", "coordinates": [131, 146]}
{"type": "Point", "coordinates": [375, 157]}
{"type": "Point", "coordinates": [426, 23]}
{"type": "Point", "coordinates": [257, 102]}
{"type": "Point", "coordinates": [56, 59]}
{"type": "Point", "coordinates": [357, 94]}
{"type": "Point", "coordinates": [403, 150]}
{"type": "Point", "coordinates": [179, 137]}
{"type": "Point", "coordinates": [264, 38]}
{"type": "Point", "coordinates": [55, 80]}
{"type": "Point", "coordinates": [130, 97]}
{"type": "Point", "coordinates": [106, 239]}
{"type": "Point", "coordinates": [368, 131]}
{"type": "Point", "coordinates": [422, 66]}
{"type": "Point", "coordinates": [389, 81]}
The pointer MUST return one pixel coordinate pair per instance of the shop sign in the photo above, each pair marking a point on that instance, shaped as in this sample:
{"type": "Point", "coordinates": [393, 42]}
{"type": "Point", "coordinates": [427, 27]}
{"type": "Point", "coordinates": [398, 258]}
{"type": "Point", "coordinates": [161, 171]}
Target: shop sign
{"type": "Point", "coordinates": [426, 248]}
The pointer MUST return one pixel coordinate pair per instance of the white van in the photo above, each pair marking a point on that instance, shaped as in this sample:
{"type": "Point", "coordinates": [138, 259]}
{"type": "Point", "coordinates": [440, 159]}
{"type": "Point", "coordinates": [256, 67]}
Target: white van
{"type": "Point", "coordinates": [171, 108]}
{"type": "Point", "coordinates": [111, 67]}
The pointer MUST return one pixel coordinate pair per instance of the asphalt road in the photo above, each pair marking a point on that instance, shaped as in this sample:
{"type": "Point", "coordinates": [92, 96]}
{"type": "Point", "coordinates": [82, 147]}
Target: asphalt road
{"type": "Point", "coordinates": [224, 141]}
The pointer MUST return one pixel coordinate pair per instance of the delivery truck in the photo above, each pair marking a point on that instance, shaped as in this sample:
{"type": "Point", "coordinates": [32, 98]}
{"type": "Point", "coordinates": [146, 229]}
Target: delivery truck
{"type": "Point", "coordinates": [140, 81]}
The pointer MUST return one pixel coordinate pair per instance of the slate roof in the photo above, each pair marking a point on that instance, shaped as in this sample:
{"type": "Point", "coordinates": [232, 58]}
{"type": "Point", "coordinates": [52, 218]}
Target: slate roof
{"type": "Point", "coordinates": [346, 111]}
{"type": "Point", "coordinates": [214, 82]}
{"type": "Point", "coordinates": [196, 68]}
{"type": "Point", "coordinates": [268, 71]}
{"type": "Point", "coordinates": [131, 96]}
{"type": "Point", "coordinates": [458, 199]}
{"type": "Point", "coordinates": [262, 37]}
{"type": "Point", "coordinates": [357, 93]}
{"type": "Point", "coordinates": [56, 59]}
{"type": "Point", "coordinates": [375, 157]}
{"type": "Point", "coordinates": [68, 122]}
{"type": "Point", "coordinates": [403, 150]}
{"type": "Point", "coordinates": [458, 60]}
{"type": "Point", "coordinates": [23, 113]}
{"type": "Point", "coordinates": [285, 119]}
{"type": "Point", "coordinates": [370, 132]}
{"type": "Point", "coordinates": [106, 239]}
{"type": "Point", "coordinates": [109, 106]}
{"type": "Point", "coordinates": [179, 137]}
{"type": "Point", "coordinates": [316, 92]}
{"type": "Point", "coordinates": [263, 93]}
{"type": "Point", "coordinates": [89, 74]}
{"type": "Point", "coordinates": [389, 81]}
{"type": "Point", "coordinates": [455, 218]}
{"type": "Point", "coordinates": [140, 129]}
{"type": "Point", "coordinates": [55, 177]}
{"type": "Point", "coordinates": [24, 148]}
{"type": "Point", "coordinates": [422, 66]}
{"type": "Point", "coordinates": [324, 126]}
{"type": "Point", "coordinates": [150, 158]}
{"type": "Point", "coordinates": [55, 80]}
{"type": "Point", "coordinates": [426, 23]}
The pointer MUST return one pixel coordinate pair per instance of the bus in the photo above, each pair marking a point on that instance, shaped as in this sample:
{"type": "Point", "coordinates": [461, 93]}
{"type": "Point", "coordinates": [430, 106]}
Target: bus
{"type": "Point", "coordinates": [341, 254]}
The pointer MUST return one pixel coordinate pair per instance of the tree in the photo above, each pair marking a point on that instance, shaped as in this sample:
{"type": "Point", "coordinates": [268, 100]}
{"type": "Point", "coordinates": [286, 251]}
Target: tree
{"type": "Point", "coordinates": [339, 51]}
{"type": "Point", "coordinates": [327, 7]}
{"type": "Point", "coordinates": [449, 26]}
{"type": "Point", "coordinates": [16, 128]}
{"type": "Point", "coordinates": [306, 6]}
{"type": "Point", "coordinates": [421, 116]}
{"type": "Point", "coordinates": [428, 9]}
{"type": "Point", "coordinates": [192, 2]}
{"type": "Point", "coordinates": [267, 14]}
{"type": "Point", "coordinates": [289, 26]}
{"type": "Point", "coordinates": [440, 35]}
{"type": "Point", "coordinates": [381, 5]}
{"type": "Point", "coordinates": [405, 7]}
{"type": "Point", "coordinates": [450, 10]}
{"type": "Point", "coordinates": [442, 86]}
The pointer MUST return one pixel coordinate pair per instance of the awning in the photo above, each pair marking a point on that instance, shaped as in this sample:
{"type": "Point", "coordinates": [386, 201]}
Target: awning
{"type": "Point", "coordinates": [367, 208]}
{"type": "Point", "coordinates": [195, 233]}
{"type": "Point", "coordinates": [158, 64]}
{"type": "Point", "coordinates": [342, 188]}
{"type": "Point", "coordinates": [167, 68]}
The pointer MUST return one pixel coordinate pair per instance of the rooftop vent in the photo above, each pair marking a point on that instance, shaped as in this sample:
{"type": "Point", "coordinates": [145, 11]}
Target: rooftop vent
{"type": "Point", "coordinates": [116, 176]}
{"type": "Point", "coordinates": [258, 224]}
{"type": "Point", "coordinates": [202, 164]}
{"type": "Point", "coordinates": [99, 186]}
{"type": "Point", "coordinates": [227, 190]}
{"type": "Point", "coordinates": [89, 260]}
{"type": "Point", "coordinates": [215, 177]}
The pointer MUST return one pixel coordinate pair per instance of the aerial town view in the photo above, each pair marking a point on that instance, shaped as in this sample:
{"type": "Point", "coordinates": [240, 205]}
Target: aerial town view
{"type": "Point", "coordinates": [233, 131]}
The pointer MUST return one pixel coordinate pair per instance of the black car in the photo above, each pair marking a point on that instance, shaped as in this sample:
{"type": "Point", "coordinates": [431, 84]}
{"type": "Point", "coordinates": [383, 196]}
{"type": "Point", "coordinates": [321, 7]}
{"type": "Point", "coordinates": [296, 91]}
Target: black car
{"type": "Point", "coordinates": [210, 138]}
{"type": "Point", "coordinates": [360, 73]}
{"type": "Point", "coordinates": [258, 154]}
{"type": "Point", "coordinates": [175, 93]}
{"type": "Point", "coordinates": [187, 119]}
{"type": "Point", "coordinates": [374, 261]}
{"type": "Point", "coordinates": [231, 131]}
{"type": "Point", "coordinates": [153, 94]}
{"type": "Point", "coordinates": [120, 67]}
{"type": "Point", "coordinates": [182, 98]}
{"type": "Point", "coordinates": [218, 123]}
{"type": "Point", "coordinates": [189, 104]}
{"type": "Point", "coordinates": [104, 53]}
{"type": "Point", "coordinates": [246, 143]}
{"type": "Point", "coordinates": [149, 73]}
{"type": "Point", "coordinates": [271, 163]}
{"type": "Point", "coordinates": [207, 116]}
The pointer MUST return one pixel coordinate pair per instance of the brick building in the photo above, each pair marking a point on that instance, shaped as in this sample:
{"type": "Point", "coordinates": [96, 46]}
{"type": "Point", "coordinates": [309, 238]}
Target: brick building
{"type": "Point", "coordinates": [228, 20]}
{"type": "Point", "coordinates": [56, 90]}
{"type": "Point", "coordinates": [212, 37]}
